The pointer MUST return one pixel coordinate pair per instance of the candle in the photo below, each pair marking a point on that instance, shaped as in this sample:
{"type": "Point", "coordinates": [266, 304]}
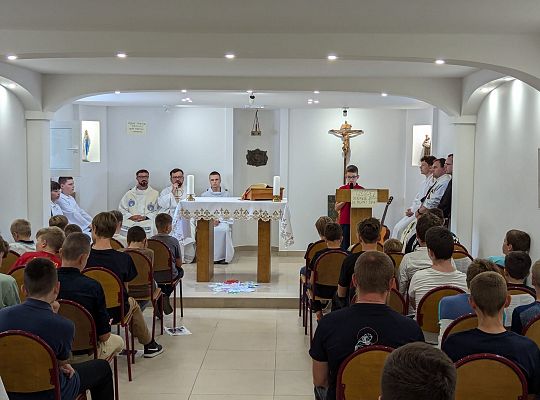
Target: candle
{"type": "Point", "coordinates": [276, 189]}
{"type": "Point", "coordinates": [190, 184]}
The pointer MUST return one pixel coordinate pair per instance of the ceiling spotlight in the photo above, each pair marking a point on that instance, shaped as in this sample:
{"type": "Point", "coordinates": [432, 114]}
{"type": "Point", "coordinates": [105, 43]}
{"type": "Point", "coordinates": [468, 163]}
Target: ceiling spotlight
{"type": "Point", "coordinates": [12, 57]}
{"type": "Point", "coordinates": [249, 91]}
{"type": "Point", "coordinates": [316, 92]}
{"type": "Point", "coordinates": [121, 55]}
{"type": "Point", "coordinates": [11, 86]}
{"type": "Point", "coordinates": [184, 91]}
{"type": "Point", "coordinates": [486, 90]}
{"type": "Point", "coordinates": [332, 57]}
{"type": "Point", "coordinates": [117, 92]}
{"type": "Point", "coordinates": [316, 101]}
{"type": "Point", "coordinates": [230, 56]}
{"type": "Point", "coordinates": [440, 62]}
{"type": "Point", "coordinates": [384, 94]}
{"type": "Point", "coordinates": [508, 78]}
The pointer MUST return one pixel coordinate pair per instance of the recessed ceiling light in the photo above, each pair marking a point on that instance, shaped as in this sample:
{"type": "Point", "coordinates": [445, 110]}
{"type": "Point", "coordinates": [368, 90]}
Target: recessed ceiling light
{"type": "Point", "coordinates": [316, 101]}
{"type": "Point", "coordinates": [11, 86]}
{"type": "Point", "coordinates": [310, 99]}
{"type": "Point", "coordinates": [509, 78]}
{"type": "Point", "coordinates": [229, 56]}
{"type": "Point", "coordinates": [316, 92]}
{"type": "Point", "coordinates": [332, 57]}
{"type": "Point", "coordinates": [12, 57]}
{"type": "Point", "coordinates": [384, 94]}
{"type": "Point", "coordinates": [121, 55]}
{"type": "Point", "coordinates": [249, 91]}
{"type": "Point", "coordinates": [439, 62]}
{"type": "Point", "coordinates": [486, 90]}
{"type": "Point", "coordinates": [184, 91]}
{"type": "Point", "coordinates": [117, 92]}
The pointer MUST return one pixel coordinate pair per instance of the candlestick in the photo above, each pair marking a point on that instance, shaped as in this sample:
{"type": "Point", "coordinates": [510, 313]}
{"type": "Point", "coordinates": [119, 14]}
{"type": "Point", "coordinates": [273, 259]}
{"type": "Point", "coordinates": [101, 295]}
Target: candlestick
{"type": "Point", "coordinates": [276, 190]}
{"type": "Point", "coordinates": [190, 179]}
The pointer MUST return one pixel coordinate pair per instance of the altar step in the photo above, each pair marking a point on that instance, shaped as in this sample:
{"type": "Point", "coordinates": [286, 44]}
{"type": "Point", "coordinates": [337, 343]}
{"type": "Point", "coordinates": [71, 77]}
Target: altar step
{"type": "Point", "coordinates": [240, 302]}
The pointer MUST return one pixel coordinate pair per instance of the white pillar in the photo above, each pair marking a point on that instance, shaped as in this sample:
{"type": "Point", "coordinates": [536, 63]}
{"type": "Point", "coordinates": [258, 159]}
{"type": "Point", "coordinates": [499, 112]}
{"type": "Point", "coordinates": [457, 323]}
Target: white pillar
{"type": "Point", "coordinates": [463, 179]}
{"type": "Point", "coordinates": [39, 165]}
{"type": "Point", "coordinates": [284, 157]}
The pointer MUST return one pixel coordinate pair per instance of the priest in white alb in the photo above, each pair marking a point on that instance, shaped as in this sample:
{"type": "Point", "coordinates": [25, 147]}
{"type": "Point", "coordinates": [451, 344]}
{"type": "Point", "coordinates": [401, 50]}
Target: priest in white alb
{"type": "Point", "coordinates": [223, 246]}
{"type": "Point", "coordinates": [140, 205]}
{"type": "Point", "coordinates": [168, 200]}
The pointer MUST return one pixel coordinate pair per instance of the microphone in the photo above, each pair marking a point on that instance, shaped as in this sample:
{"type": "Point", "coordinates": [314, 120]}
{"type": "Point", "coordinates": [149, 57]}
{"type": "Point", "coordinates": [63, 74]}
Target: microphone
{"type": "Point", "coordinates": [351, 185]}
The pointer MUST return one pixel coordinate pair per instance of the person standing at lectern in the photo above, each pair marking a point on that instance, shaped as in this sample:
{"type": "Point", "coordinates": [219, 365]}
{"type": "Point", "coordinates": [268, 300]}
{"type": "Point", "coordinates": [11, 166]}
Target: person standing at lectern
{"type": "Point", "coordinates": [344, 207]}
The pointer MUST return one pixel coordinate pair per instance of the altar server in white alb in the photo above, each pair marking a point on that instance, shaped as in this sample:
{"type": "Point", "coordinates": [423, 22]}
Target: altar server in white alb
{"type": "Point", "coordinates": [75, 214]}
{"type": "Point", "coordinates": [223, 246]}
{"type": "Point", "coordinates": [140, 205]}
{"type": "Point", "coordinates": [55, 195]}
{"type": "Point", "coordinates": [168, 200]}
{"type": "Point", "coordinates": [426, 166]}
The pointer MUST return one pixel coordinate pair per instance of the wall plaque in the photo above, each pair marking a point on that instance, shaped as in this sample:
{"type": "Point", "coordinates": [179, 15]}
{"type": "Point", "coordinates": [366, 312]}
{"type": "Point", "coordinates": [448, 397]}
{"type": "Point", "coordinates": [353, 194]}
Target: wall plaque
{"type": "Point", "coordinates": [257, 157]}
{"type": "Point", "coordinates": [136, 128]}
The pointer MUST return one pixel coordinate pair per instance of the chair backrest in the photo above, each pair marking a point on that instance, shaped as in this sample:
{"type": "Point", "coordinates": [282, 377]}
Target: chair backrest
{"type": "Point", "coordinates": [396, 259]}
{"type": "Point", "coordinates": [18, 275]}
{"type": "Point", "coordinates": [464, 323]}
{"type": "Point", "coordinates": [312, 249]}
{"type": "Point", "coordinates": [328, 267]}
{"type": "Point", "coordinates": [517, 290]}
{"type": "Point", "coordinates": [85, 328]}
{"type": "Point", "coordinates": [116, 244]}
{"type": "Point", "coordinates": [145, 273]}
{"type": "Point", "coordinates": [9, 259]}
{"type": "Point", "coordinates": [162, 255]}
{"type": "Point", "coordinates": [532, 330]}
{"type": "Point", "coordinates": [27, 364]}
{"type": "Point", "coordinates": [380, 247]}
{"type": "Point", "coordinates": [459, 247]}
{"type": "Point", "coordinates": [111, 285]}
{"type": "Point", "coordinates": [357, 248]}
{"type": "Point", "coordinates": [489, 376]}
{"type": "Point", "coordinates": [459, 254]}
{"type": "Point", "coordinates": [427, 311]}
{"type": "Point", "coordinates": [397, 302]}
{"type": "Point", "coordinates": [359, 375]}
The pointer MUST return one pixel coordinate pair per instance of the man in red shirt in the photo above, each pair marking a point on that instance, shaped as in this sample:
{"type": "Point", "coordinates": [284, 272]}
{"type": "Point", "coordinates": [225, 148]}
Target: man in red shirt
{"type": "Point", "coordinates": [49, 241]}
{"type": "Point", "coordinates": [344, 207]}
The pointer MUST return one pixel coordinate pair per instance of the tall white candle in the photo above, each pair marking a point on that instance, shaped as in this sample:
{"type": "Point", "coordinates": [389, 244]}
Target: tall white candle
{"type": "Point", "coordinates": [277, 186]}
{"type": "Point", "coordinates": [190, 184]}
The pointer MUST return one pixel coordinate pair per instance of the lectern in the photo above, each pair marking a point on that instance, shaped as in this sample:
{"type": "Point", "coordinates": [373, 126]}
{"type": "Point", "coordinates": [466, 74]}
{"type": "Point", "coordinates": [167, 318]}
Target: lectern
{"type": "Point", "coordinates": [362, 202]}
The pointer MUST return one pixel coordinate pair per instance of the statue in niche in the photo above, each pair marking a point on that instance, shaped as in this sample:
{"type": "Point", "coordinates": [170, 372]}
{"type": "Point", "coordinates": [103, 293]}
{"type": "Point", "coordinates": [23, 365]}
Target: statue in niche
{"type": "Point", "coordinates": [86, 145]}
{"type": "Point", "coordinates": [256, 158]}
{"type": "Point", "coordinates": [426, 145]}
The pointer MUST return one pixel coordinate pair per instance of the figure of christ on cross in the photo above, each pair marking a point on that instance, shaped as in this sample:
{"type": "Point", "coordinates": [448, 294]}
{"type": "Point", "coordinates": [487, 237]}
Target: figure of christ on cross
{"type": "Point", "coordinates": [345, 133]}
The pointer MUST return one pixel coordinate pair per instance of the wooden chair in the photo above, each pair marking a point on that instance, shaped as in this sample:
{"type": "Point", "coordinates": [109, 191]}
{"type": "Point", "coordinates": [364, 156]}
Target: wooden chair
{"type": "Point", "coordinates": [357, 248]}
{"type": "Point", "coordinates": [427, 311]}
{"type": "Point", "coordinates": [397, 302]}
{"type": "Point", "coordinates": [312, 249]}
{"type": "Point", "coordinates": [489, 376]}
{"type": "Point", "coordinates": [28, 364]}
{"type": "Point", "coordinates": [461, 324]}
{"type": "Point", "coordinates": [396, 259]}
{"type": "Point", "coordinates": [459, 247]}
{"type": "Point", "coordinates": [85, 334]}
{"type": "Point", "coordinates": [163, 260]}
{"type": "Point", "coordinates": [145, 278]}
{"type": "Point", "coordinates": [18, 275]}
{"type": "Point", "coordinates": [116, 244]}
{"type": "Point", "coordinates": [380, 247]}
{"type": "Point", "coordinates": [359, 375]}
{"type": "Point", "coordinates": [114, 298]}
{"type": "Point", "coordinates": [532, 330]}
{"type": "Point", "coordinates": [8, 260]}
{"type": "Point", "coordinates": [517, 290]}
{"type": "Point", "coordinates": [325, 272]}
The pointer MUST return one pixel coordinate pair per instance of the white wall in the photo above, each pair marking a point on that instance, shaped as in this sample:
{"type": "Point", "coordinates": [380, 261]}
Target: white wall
{"type": "Point", "coordinates": [506, 168]}
{"type": "Point", "coordinates": [444, 141]}
{"type": "Point", "coordinates": [13, 197]}
{"type": "Point", "coordinates": [316, 166]}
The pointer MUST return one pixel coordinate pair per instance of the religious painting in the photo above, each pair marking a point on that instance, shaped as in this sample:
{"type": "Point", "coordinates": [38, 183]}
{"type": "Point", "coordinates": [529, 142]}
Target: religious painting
{"type": "Point", "coordinates": [90, 137]}
{"type": "Point", "coordinates": [256, 158]}
{"type": "Point", "coordinates": [332, 213]}
{"type": "Point", "coordinates": [421, 143]}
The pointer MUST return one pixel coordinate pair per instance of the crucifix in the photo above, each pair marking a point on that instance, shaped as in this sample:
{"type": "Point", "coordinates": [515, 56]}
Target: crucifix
{"type": "Point", "coordinates": [345, 133]}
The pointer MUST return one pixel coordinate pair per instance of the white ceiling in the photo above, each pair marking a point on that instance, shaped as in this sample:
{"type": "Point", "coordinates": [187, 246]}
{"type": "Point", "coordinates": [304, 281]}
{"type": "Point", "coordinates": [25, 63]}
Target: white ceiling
{"type": "Point", "coordinates": [284, 16]}
{"type": "Point", "coordinates": [240, 99]}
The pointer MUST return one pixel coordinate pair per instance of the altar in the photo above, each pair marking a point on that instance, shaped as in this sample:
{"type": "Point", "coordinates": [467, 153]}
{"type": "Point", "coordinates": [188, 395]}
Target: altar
{"type": "Point", "coordinates": [205, 209]}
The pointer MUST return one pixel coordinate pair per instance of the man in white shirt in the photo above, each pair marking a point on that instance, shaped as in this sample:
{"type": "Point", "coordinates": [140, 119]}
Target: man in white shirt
{"type": "Point", "coordinates": [426, 164]}
{"type": "Point", "coordinates": [435, 193]}
{"type": "Point", "coordinates": [140, 205]}
{"type": "Point", "coordinates": [223, 246]}
{"type": "Point", "coordinates": [168, 200]}
{"type": "Point", "coordinates": [55, 195]}
{"type": "Point", "coordinates": [75, 214]}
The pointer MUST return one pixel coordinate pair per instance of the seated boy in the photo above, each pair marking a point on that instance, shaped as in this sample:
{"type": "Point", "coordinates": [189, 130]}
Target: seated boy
{"type": "Point", "coordinates": [72, 228]}
{"type": "Point", "coordinates": [392, 246]}
{"type": "Point", "coordinates": [524, 314]}
{"type": "Point", "coordinates": [517, 269]}
{"type": "Point", "coordinates": [320, 225]}
{"type": "Point", "coordinates": [49, 242]}
{"type": "Point", "coordinates": [514, 240]}
{"type": "Point", "coordinates": [60, 221]}
{"type": "Point", "coordinates": [9, 291]}
{"type": "Point", "coordinates": [119, 218]}
{"type": "Point", "coordinates": [22, 236]}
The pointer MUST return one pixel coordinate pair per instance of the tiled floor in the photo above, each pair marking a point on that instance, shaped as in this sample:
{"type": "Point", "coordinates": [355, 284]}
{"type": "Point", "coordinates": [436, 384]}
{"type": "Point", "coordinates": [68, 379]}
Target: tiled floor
{"type": "Point", "coordinates": [240, 354]}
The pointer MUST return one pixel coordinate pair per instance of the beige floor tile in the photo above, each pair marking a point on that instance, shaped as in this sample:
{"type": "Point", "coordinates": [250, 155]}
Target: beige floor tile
{"type": "Point", "coordinates": [156, 380]}
{"type": "Point", "coordinates": [229, 397]}
{"type": "Point", "coordinates": [293, 361]}
{"type": "Point", "coordinates": [239, 359]}
{"type": "Point", "coordinates": [292, 383]}
{"type": "Point", "coordinates": [155, 396]}
{"type": "Point", "coordinates": [293, 397]}
{"type": "Point", "coordinates": [234, 382]}
{"type": "Point", "coordinates": [292, 341]}
{"type": "Point", "coordinates": [243, 341]}
{"type": "Point", "coordinates": [256, 325]}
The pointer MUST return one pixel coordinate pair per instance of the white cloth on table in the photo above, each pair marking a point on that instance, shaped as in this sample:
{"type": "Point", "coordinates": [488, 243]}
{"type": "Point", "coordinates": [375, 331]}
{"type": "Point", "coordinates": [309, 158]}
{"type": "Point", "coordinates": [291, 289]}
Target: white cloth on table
{"type": "Point", "coordinates": [223, 245]}
{"type": "Point", "coordinates": [75, 214]}
{"type": "Point", "coordinates": [55, 209]}
{"type": "Point", "coordinates": [183, 231]}
{"type": "Point", "coordinates": [139, 202]}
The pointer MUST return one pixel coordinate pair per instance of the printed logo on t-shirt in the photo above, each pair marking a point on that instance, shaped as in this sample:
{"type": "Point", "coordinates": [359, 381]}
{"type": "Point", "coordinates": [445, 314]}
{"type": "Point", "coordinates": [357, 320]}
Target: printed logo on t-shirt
{"type": "Point", "coordinates": [150, 207]}
{"type": "Point", "coordinates": [131, 203]}
{"type": "Point", "coordinates": [366, 337]}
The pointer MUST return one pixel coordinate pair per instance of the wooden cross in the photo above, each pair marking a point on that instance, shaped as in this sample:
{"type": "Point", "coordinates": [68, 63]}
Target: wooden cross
{"type": "Point", "coordinates": [345, 133]}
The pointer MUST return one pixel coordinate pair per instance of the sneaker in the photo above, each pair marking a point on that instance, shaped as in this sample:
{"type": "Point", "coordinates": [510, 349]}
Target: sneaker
{"type": "Point", "coordinates": [152, 349]}
{"type": "Point", "coordinates": [167, 308]}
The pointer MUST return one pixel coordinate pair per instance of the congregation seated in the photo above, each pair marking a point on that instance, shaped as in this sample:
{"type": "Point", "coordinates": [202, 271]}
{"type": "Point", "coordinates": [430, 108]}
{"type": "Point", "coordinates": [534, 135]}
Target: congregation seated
{"type": "Point", "coordinates": [75, 214]}
{"type": "Point", "coordinates": [72, 228]}
{"type": "Point", "coordinates": [87, 292]}
{"type": "Point", "coordinates": [21, 231]}
{"type": "Point", "coordinates": [119, 221]}
{"type": "Point", "coordinates": [49, 241]}
{"type": "Point", "coordinates": [418, 371]}
{"type": "Point", "coordinates": [392, 246]}
{"type": "Point", "coordinates": [411, 241]}
{"type": "Point", "coordinates": [9, 292]}
{"type": "Point", "coordinates": [367, 322]}
{"type": "Point", "coordinates": [489, 297]}
{"type": "Point", "coordinates": [514, 240]}
{"type": "Point", "coordinates": [38, 316]}
{"type": "Point", "coordinates": [320, 226]}
{"type": "Point", "coordinates": [59, 221]}
{"type": "Point", "coordinates": [419, 258]}
{"type": "Point", "coordinates": [517, 269]}
{"type": "Point", "coordinates": [522, 315]}
{"type": "Point", "coordinates": [453, 307]}
{"type": "Point", "coordinates": [103, 255]}
{"type": "Point", "coordinates": [368, 235]}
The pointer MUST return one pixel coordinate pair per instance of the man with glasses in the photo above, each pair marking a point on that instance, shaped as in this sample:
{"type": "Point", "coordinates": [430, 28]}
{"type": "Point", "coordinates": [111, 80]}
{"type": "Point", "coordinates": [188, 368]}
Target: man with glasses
{"type": "Point", "coordinates": [344, 207]}
{"type": "Point", "coordinates": [140, 205]}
